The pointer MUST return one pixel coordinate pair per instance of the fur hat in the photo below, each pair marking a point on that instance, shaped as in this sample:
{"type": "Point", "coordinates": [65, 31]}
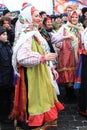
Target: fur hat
{"type": "Point", "coordinates": [5, 11]}
{"type": "Point", "coordinates": [2, 30]}
{"type": "Point", "coordinates": [57, 16]}
{"type": "Point", "coordinates": [84, 10]}
{"type": "Point", "coordinates": [64, 14]}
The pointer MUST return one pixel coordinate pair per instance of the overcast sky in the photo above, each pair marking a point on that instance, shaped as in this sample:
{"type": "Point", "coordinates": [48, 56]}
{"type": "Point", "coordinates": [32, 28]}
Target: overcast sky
{"type": "Point", "coordinates": [45, 5]}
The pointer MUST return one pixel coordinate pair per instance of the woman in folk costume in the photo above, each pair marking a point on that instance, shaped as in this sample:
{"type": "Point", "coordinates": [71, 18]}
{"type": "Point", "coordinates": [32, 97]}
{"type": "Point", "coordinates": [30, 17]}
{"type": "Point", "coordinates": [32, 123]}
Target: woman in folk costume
{"type": "Point", "coordinates": [35, 97]}
{"type": "Point", "coordinates": [68, 55]}
{"type": "Point", "coordinates": [81, 77]}
{"type": "Point", "coordinates": [44, 30]}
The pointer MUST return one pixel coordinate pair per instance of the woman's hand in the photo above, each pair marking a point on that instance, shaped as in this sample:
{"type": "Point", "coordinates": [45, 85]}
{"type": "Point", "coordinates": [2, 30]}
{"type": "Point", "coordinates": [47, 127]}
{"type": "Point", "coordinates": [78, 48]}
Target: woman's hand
{"type": "Point", "coordinates": [50, 56]}
{"type": "Point", "coordinates": [68, 37]}
{"type": "Point", "coordinates": [55, 73]}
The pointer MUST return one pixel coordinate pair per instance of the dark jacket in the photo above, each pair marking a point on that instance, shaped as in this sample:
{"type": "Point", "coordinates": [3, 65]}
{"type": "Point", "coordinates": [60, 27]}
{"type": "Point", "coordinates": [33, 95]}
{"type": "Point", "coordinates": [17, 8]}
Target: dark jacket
{"type": "Point", "coordinates": [6, 69]}
{"type": "Point", "coordinates": [11, 35]}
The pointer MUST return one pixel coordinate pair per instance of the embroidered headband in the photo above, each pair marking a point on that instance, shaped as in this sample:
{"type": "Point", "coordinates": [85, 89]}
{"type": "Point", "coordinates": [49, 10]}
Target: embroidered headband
{"type": "Point", "coordinates": [33, 9]}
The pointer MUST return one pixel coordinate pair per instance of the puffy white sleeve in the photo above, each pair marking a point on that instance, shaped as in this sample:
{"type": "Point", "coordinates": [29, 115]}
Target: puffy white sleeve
{"type": "Point", "coordinates": [57, 36]}
{"type": "Point", "coordinates": [26, 57]}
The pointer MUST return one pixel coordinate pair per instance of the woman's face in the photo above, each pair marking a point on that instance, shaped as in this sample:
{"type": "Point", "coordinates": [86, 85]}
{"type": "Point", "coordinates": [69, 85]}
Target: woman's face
{"type": "Point", "coordinates": [74, 19]}
{"type": "Point", "coordinates": [48, 24]}
{"type": "Point", "coordinates": [36, 18]}
{"type": "Point", "coordinates": [6, 24]}
{"type": "Point", "coordinates": [85, 14]}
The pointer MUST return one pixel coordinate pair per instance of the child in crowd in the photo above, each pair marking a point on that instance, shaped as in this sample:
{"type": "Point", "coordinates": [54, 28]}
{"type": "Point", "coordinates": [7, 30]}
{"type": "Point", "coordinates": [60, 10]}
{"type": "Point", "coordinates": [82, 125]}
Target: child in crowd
{"type": "Point", "coordinates": [6, 75]}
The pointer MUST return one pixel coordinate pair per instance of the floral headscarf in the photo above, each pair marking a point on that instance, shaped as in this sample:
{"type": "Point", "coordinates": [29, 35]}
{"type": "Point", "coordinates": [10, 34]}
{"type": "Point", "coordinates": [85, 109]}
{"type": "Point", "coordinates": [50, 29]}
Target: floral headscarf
{"type": "Point", "coordinates": [71, 14]}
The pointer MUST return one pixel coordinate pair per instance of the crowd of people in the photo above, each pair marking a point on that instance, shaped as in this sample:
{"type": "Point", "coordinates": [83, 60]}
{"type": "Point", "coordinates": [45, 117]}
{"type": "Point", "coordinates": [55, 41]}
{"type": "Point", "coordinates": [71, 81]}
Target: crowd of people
{"type": "Point", "coordinates": [39, 54]}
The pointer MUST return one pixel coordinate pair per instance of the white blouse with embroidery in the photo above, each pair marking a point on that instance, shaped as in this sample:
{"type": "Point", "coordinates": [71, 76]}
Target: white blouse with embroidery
{"type": "Point", "coordinates": [26, 56]}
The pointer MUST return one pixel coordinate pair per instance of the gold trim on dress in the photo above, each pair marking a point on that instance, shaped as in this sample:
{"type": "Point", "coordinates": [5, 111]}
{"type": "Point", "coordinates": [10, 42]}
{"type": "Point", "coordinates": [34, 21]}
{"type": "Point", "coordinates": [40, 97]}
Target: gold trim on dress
{"type": "Point", "coordinates": [67, 69]}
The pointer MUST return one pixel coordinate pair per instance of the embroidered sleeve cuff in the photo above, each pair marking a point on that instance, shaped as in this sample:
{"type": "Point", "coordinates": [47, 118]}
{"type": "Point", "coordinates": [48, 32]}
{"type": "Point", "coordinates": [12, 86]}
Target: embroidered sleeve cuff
{"type": "Point", "coordinates": [42, 59]}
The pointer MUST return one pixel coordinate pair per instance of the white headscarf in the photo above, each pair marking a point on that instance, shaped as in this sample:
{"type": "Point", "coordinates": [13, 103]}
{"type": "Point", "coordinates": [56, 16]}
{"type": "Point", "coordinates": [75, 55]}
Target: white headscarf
{"type": "Point", "coordinates": [23, 16]}
{"type": "Point", "coordinates": [26, 18]}
{"type": "Point", "coordinates": [26, 13]}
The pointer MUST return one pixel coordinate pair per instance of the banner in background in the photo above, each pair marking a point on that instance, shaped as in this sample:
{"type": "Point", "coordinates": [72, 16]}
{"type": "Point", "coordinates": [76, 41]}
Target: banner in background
{"type": "Point", "coordinates": [61, 5]}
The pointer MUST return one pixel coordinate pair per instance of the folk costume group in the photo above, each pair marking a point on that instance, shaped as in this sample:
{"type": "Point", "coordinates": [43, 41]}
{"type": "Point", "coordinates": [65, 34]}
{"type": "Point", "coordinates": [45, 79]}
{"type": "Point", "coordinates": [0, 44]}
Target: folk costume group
{"type": "Point", "coordinates": [35, 100]}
